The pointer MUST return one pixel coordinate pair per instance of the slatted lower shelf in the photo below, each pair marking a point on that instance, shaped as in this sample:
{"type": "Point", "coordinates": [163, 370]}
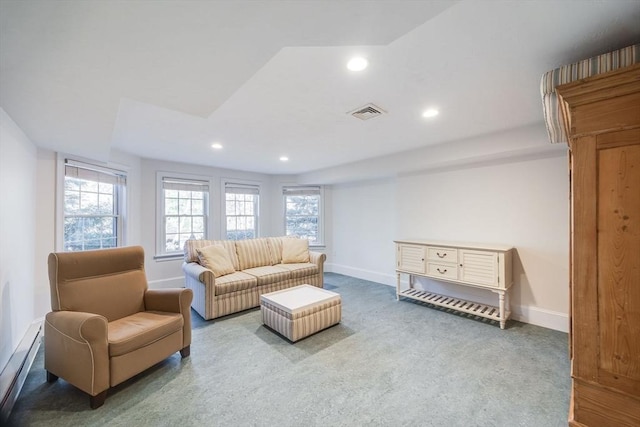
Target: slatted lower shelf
{"type": "Point", "coordinates": [481, 310]}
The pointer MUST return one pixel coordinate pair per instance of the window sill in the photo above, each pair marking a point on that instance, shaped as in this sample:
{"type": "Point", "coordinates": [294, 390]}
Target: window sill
{"type": "Point", "coordinates": [168, 257]}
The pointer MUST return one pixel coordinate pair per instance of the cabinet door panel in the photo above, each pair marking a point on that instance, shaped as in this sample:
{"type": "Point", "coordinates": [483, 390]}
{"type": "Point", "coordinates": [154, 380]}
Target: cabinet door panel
{"type": "Point", "coordinates": [619, 267]}
{"type": "Point", "coordinates": [479, 267]}
{"type": "Point", "coordinates": [411, 258]}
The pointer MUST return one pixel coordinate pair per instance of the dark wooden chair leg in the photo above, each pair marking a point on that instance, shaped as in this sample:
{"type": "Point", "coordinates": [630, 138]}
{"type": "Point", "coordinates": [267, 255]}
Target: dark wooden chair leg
{"type": "Point", "coordinates": [98, 400]}
{"type": "Point", "coordinates": [185, 352]}
{"type": "Point", "coordinates": [51, 377]}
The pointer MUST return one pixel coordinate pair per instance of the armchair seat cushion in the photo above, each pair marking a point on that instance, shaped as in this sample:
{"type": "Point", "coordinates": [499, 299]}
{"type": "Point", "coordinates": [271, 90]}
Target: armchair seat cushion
{"type": "Point", "coordinates": [141, 329]}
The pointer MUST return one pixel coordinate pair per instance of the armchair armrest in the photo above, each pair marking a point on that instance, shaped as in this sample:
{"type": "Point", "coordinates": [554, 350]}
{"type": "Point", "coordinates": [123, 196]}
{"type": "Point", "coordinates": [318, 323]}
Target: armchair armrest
{"type": "Point", "coordinates": [176, 300]}
{"type": "Point", "coordinates": [77, 349]}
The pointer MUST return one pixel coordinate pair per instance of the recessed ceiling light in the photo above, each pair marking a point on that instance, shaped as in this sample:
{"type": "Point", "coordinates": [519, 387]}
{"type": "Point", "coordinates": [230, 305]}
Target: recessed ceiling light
{"type": "Point", "coordinates": [431, 112]}
{"type": "Point", "coordinates": [284, 159]}
{"type": "Point", "coordinates": [357, 64]}
{"type": "Point", "coordinates": [216, 146]}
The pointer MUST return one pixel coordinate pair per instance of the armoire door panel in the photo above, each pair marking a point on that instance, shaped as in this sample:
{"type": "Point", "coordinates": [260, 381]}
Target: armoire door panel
{"type": "Point", "coordinates": [619, 267]}
{"type": "Point", "coordinates": [584, 301]}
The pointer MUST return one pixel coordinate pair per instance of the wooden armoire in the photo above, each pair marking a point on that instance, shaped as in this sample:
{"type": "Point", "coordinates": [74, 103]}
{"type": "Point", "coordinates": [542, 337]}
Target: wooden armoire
{"type": "Point", "coordinates": [602, 118]}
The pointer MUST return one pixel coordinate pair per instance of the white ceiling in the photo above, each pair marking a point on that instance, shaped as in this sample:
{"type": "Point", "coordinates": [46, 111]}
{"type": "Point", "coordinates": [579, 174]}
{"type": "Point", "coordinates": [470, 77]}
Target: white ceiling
{"type": "Point", "coordinates": [164, 80]}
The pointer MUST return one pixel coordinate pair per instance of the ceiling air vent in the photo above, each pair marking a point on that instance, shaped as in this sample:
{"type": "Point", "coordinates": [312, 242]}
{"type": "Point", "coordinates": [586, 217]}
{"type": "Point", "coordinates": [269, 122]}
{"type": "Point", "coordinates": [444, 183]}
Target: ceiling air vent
{"type": "Point", "coordinates": [367, 112]}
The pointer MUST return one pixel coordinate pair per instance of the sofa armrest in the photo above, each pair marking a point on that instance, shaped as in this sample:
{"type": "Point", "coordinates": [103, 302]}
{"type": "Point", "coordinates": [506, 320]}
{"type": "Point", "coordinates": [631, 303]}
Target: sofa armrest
{"type": "Point", "coordinates": [77, 349]}
{"type": "Point", "coordinates": [175, 300]}
{"type": "Point", "coordinates": [317, 258]}
{"type": "Point", "coordinates": [199, 273]}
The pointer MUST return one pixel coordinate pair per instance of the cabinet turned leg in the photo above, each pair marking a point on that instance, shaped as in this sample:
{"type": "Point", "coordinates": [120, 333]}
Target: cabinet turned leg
{"type": "Point", "coordinates": [503, 321]}
{"type": "Point", "coordinates": [397, 286]}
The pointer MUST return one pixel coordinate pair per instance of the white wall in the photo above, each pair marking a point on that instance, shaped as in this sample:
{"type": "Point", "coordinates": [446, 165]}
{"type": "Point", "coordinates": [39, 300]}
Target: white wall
{"type": "Point", "coordinates": [18, 164]}
{"type": "Point", "coordinates": [521, 202]}
{"type": "Point", "coordinates": [363, 227]}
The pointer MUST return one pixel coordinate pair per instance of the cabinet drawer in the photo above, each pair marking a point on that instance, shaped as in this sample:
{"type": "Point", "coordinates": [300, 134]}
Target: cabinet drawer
{"type": "Point", "coordinates": [445, 271]}
{"type": "Point", "coordinates": [442, 254]}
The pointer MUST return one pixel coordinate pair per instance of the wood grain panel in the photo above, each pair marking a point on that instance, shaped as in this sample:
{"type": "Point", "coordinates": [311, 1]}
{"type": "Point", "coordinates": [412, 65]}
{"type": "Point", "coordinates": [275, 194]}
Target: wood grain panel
{"type": "Point", "coordinates": [584, 302]}
{"type": "Point", "coordinates": [594, 405]}
{"type": "Point", "coordinates": [592, 118]}
{"type": "Point", "coordinates": [619, 267]}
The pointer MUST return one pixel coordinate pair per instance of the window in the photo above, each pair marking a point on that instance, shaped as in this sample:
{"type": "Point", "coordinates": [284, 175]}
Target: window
{"type": "Point", "coordinates": [241, 210]}
{"type": "Point", "coordinates": [184, 210]}
{"type": "Point", "coordinates": [93, 206]}
{"type": "Point", "coordinates": [303, 210]}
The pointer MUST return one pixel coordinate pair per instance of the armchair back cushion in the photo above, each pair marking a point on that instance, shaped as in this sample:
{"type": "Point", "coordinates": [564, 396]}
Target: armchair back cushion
{"type": "Point", "coordinates": [109, 283]}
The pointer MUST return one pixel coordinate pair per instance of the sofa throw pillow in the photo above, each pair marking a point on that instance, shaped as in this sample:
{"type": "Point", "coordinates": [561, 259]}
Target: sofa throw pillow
{"type": "Point", "coordinates": [216, 259]}
{"type": "Point", "coordinates": [295, 250]}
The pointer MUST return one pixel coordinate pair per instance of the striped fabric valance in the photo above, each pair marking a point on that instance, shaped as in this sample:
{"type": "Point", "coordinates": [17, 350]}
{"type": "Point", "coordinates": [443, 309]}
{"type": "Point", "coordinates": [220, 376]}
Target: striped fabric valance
{"type": "Point", "coordinates": [579, 70]}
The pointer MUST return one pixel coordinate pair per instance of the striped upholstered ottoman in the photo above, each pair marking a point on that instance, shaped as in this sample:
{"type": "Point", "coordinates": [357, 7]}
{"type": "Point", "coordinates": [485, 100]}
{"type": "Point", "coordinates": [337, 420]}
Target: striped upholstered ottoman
{"type": "Point", "coordinates": [300, 311]}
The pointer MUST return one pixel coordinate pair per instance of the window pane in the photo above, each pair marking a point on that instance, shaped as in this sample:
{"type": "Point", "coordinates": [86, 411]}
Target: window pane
{"type": "Point", "coordinates": [91, 210]}
{"type": "Point", "coordinates": [197, 207]}
{"type": "Point", "coordinates": [185, 224]}
{"type": "Point", "coordinates": [171, 206]}
{"type": "Point", "coordinates": [91, 186]}
{"type": "Point", "coordinates": [198, 224]}
{"type": "Point", "coordinates": [171, 224]}
{"type": "Point", "coordinates": [106, 204]}
{"type": "Point", "coordinates": [105, 188]}
{"type": "Point", "coordinates": [185, 217]}
{"type": "Point", "coordinates": [89, 203]}
{"type": "Point", "coordinates": [172, 242]}
{"type": "Point", "coordinates": [71, 201]}
{"type": "Point", "coordinates": [184, 206]}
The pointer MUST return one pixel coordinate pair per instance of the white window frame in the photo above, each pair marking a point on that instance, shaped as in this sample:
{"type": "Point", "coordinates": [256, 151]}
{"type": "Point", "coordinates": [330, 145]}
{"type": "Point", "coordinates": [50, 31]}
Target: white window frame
{"type": "Point", "coordinates": [122, 194]}
{"type": "Point", "coordinates": [161, 177]}
{"type": "Point", "coordinates": [249, 186]}
{"type": "Point", "coordinates": [320, 241]}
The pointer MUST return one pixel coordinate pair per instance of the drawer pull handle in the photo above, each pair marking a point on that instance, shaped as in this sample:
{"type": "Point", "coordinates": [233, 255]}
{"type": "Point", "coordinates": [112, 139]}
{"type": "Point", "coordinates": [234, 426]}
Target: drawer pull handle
{"type": "Point", "coordinates": [441, 256]}
{"type": "Point", "coordinates": [441, 271]}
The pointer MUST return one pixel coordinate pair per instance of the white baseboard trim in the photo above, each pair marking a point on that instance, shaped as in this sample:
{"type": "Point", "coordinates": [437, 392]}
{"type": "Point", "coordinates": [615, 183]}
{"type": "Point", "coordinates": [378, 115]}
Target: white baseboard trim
{"type": "Point", "coordinates": [360, 273]}
{"type": "Point", "coordinates": [171, 282]}
{"type": "Point", "coordinates": [15, 372]}
{"type": "Point", "coordinates": [541, 317]}
{"type": "Point", "coordinates": [533, 315]}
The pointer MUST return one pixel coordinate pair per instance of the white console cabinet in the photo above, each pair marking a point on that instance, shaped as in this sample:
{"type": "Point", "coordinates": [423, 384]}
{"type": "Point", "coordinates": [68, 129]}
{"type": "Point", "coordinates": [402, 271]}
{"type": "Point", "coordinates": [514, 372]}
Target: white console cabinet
{"type": "Point", "coordinates": [479, 266]}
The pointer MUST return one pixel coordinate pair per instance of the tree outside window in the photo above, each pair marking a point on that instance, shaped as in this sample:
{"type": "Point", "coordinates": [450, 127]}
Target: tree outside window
{"type": "Point", "coordinates": [93, 207]}
{"type": "Point", "coordinates": [241, 211]}
{"type": "Point", "coordinates": [184, 212]}
{"type": "Point", "coordinates": [303, 207]}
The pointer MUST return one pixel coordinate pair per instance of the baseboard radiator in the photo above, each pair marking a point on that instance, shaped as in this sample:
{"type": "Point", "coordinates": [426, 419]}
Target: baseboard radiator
{"type": "Point", "coordinates": [15, 373]}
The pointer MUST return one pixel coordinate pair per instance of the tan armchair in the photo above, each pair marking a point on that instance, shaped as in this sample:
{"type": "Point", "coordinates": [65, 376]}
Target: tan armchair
{"type": "Point", "coordinates": [106, 326]}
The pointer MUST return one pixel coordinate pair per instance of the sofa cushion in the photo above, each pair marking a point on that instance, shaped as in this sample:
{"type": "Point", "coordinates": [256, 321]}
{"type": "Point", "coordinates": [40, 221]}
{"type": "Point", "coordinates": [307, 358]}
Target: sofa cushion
{"type": "Point", "coordinates": [141, 329]}
{"type": "Point", "coordinates": [238, 281]}
{"type": "Point", "coordinates": [191, 246]}
{"type": "Point", "coordinates": [216, 259]}
{"type": "Point", "coordinates": [300, 270]}
{"type": "Point", "coordinates": [269, 274]}
{"type": "Point", "coordinates": [253, 253]}
{"type": "Point", "coordinates": [275, 249]}
{"type": "Point", "coordinates": [295, 251]}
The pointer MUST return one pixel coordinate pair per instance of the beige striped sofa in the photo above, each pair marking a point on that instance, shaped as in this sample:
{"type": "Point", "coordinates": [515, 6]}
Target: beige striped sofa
{"type": "Point", "coordinates": [259, 270]}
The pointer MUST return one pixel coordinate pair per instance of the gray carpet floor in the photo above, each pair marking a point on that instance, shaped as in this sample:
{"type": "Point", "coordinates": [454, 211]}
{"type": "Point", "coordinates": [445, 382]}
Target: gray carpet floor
{"type": "Point", "coordinates": [387, 363]}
